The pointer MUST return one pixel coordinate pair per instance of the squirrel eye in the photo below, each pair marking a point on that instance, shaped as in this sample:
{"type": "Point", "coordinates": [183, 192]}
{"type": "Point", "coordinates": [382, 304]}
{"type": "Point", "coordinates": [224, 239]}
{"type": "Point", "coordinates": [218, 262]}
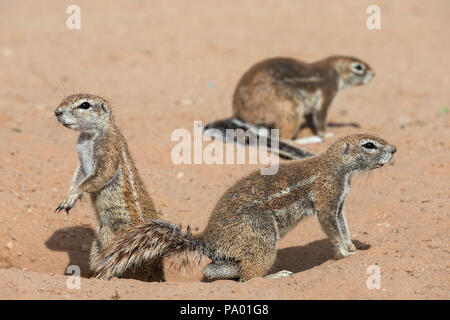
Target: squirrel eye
{"type": "Point", "coordinates": [84, 105]}
{"type": "Point", "coordinates": [358, 67]}
{"type": "Point", "coordinates": [369, 145]}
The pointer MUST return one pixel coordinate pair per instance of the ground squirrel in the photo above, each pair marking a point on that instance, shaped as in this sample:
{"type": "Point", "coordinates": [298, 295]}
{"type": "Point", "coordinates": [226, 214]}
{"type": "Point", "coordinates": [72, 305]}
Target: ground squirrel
{"type": "Point", "coordinates": [242, 235]}
{"type": "Point", "coordinates": [106, 171]}
{"type": "Point", "coordinates": [278, 93]}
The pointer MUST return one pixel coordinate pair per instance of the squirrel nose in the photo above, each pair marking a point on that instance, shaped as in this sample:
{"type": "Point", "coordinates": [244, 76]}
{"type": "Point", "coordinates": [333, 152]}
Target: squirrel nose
{"type": "Point", "coordinates": [58, 112]}
{"type": "Point", "coordinates": [394, 150]}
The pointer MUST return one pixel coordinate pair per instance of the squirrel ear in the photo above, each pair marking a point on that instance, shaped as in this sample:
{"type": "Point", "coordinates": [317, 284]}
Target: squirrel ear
{"type": "Point", "coordinates": [345, 149]}
{"type": "Point", "coordinates": [106, 109]}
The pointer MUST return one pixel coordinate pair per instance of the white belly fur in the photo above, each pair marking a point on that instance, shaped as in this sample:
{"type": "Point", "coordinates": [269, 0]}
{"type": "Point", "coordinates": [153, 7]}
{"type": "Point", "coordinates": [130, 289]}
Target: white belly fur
{"type": "Point", "coordinates": [85, 148]}
{"type": "Point", "coordinates": [310, 101]}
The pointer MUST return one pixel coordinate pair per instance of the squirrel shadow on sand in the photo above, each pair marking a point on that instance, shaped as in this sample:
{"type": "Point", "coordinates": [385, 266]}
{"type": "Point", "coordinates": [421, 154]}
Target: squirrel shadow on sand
{"type": "Point", "coordinates": [307, 124]}
{"type": "Point", "coordinates": [76, 241]}
{"type": "Point", "coordinates": [343, 124]}
{"type": "Point", "coordinates": [302, 258]}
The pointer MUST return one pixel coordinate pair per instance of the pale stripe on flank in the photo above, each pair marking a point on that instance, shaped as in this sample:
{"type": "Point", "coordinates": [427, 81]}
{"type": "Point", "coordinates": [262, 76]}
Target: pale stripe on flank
{"type": "Point", "coordinates": [280, 193]}
{"type": "Point", "coordinates": [130, 174]}
{"type": "Point", "coordinates": [288, 190]}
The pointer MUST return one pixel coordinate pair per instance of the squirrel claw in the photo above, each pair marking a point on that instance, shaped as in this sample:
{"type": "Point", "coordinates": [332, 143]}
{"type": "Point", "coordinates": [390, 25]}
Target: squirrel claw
{"type": "Point", "coordinates": [65, 205]}
{"type": "Point", "coordinates": [68, 203]}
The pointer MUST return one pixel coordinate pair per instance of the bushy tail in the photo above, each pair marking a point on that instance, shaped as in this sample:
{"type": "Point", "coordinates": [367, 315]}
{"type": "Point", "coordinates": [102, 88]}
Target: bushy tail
{"type": "Point", "coordinates": [285, 149]}
{"type": "Point", "coordinates": [144, 243]}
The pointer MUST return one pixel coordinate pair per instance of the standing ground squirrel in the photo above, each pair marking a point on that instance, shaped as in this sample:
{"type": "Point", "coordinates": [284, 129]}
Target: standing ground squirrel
{"type": "Point", "coordinates": [106, 171]}
{"type": "Point", "coordinates": [242, 235]}
{"type": "Point", "coordinates": [278, 93]}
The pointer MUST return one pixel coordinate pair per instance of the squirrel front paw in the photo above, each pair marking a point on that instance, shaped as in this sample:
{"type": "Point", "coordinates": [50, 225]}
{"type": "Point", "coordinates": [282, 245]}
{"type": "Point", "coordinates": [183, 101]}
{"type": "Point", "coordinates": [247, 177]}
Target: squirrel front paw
{"type": "Point", "coordinates": [343, 252]}
{"type": "Point", "coordinates": [308, 140]}
{"type": "Point", "coordinates": [351, 248]}
{"type": "Point", "coordinates": [69, 202]}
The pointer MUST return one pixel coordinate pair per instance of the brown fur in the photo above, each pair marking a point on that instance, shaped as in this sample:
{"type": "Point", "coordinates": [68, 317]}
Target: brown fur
{"type": "Point", "coordinates": [242, 234]}
{"type": "Point", "coordinates": [107, 172]}
{"type": "Point", "coordinates": [279, 93]}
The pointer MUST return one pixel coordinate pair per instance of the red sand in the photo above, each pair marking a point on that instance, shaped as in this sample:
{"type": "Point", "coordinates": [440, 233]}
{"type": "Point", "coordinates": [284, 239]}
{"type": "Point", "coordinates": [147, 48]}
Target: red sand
{"type": "Point", "coordinates": [165, 64]}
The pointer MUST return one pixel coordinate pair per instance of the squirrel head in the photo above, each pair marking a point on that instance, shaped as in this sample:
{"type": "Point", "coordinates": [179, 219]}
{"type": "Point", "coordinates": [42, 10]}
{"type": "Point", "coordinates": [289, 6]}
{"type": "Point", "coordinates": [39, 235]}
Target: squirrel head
{"type": "Point", "coordinates": [361, 152]}
{"type": "Point", "coordinates": [84, 112]}
{"type": "Point", "coordinates": [351, 71]}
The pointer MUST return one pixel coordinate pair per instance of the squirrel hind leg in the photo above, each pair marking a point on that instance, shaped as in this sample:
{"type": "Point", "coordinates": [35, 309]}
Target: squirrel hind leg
{"type": "Point", "coordinates": [258, 266]}
{"type": "Point", "coordinates": [221, 271]}
{"type": "Point", "coordinates": [149, 272]}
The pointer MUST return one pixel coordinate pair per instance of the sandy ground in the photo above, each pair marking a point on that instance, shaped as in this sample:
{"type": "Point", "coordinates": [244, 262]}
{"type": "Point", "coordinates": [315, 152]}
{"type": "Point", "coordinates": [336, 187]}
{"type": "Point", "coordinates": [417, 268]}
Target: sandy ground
{"type": "Point", "coordinates": [164, 64]}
